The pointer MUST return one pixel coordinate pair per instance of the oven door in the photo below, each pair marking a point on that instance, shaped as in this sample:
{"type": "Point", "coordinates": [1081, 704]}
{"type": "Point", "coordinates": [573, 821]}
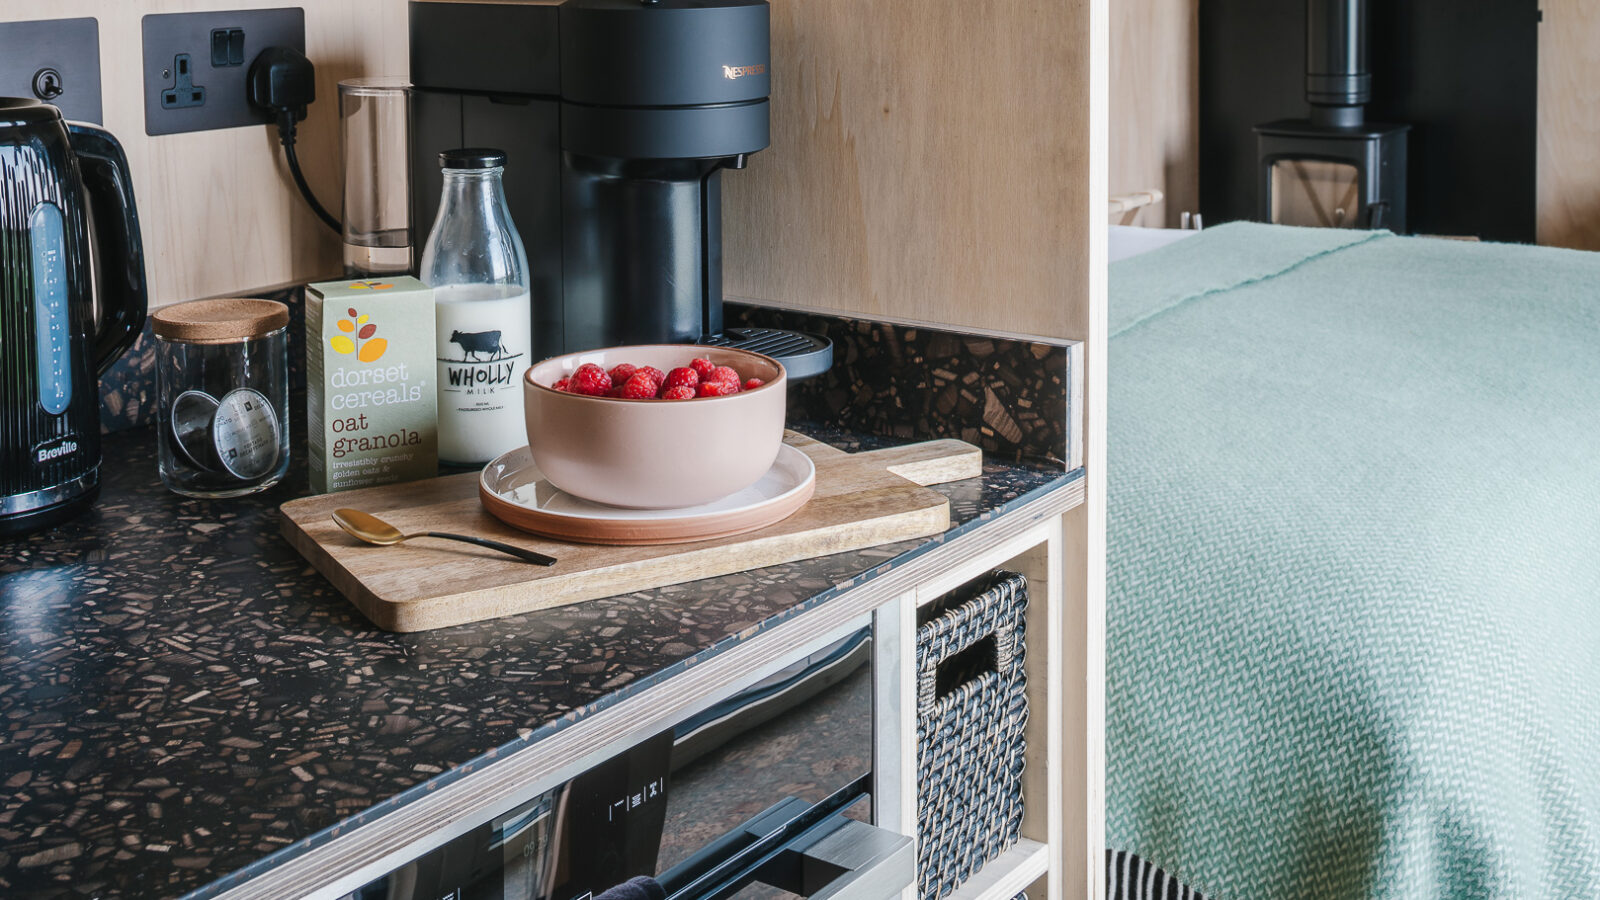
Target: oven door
{"type": "Point", "coordinates": [765, 794]}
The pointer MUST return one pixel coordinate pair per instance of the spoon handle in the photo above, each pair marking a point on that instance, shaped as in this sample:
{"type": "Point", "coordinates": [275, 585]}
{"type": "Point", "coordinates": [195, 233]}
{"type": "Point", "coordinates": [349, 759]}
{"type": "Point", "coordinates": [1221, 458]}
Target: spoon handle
{"type": "Point", "coordinates": [524, 555]}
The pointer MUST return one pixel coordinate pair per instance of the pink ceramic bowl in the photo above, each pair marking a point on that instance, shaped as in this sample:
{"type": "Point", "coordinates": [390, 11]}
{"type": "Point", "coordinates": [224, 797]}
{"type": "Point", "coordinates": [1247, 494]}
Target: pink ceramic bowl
{"type": "Point", "coordinates": [655, 454]}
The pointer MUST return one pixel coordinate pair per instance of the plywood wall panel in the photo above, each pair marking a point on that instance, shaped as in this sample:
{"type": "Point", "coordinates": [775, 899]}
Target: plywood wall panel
{"type": "Point", "coordinates": [1155, 103]}
{"type": "Point", "coordinates": [929, 162]}
{"type": "Point", "coordinates": [219, 212]}
{"type": "Point", "coordinates": [1569, 124]}
{"type": "Point", "coordinates": [945, 161]}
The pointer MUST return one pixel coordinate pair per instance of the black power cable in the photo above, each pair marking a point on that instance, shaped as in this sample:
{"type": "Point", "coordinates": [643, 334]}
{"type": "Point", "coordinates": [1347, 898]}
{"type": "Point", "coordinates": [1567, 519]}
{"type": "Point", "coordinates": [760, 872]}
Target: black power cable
{"type": "Point", "coordinates": [283, 82]}
{"type": "Point", "coordinates": [286, 135]}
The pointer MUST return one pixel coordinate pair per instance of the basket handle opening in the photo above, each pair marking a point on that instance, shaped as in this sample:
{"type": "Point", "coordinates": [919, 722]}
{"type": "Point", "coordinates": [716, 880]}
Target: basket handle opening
{"type": "Point", "coordinates": [982, 658]}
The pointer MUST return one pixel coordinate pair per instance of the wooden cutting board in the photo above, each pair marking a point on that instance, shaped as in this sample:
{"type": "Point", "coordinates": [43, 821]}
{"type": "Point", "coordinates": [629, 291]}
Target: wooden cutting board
{"type": "Point", "coordinates": [861, 500]}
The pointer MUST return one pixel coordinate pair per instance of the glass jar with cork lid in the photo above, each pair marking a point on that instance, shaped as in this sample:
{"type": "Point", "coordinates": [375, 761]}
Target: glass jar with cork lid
{"type": "Point", "coordinates": [222, 396]}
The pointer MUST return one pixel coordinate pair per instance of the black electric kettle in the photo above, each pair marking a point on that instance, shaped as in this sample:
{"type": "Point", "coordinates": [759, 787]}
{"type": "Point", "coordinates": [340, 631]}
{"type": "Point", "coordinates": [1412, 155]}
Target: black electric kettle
{"type": "Point", "coordinates": [52, 352]}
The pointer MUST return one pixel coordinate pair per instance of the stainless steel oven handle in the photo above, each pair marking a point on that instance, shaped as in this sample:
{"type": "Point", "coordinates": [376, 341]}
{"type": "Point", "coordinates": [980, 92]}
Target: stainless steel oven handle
{"type": "Point", "coordinates": [838, 859]}
{"type": "Point", "coordinates": [803, 849]}
{"type": "Point", "coordinates": [871, 863]}
{"type": "Point", "coordinates": [728, 875]}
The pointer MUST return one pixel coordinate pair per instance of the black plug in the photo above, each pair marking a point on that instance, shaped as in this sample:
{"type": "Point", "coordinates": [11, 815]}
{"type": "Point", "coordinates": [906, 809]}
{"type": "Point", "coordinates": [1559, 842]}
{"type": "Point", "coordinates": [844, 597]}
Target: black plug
{"type": "Point", "coordinates": [283, 82]}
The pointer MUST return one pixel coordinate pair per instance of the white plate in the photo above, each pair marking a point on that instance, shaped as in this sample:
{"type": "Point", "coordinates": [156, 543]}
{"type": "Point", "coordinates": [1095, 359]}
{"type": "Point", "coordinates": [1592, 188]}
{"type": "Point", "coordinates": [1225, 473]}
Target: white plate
{"type": "Point", "coordinates": [514, 490]}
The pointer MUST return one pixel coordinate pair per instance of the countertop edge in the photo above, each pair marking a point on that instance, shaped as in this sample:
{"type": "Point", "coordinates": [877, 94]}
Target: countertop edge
{"type": "Point", "coordinates": [356, 855]}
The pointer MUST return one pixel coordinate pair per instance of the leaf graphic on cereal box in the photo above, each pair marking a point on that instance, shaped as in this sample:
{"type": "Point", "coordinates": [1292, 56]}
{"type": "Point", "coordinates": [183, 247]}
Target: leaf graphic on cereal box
{"type": "Point", "coordinates": [369, 348]}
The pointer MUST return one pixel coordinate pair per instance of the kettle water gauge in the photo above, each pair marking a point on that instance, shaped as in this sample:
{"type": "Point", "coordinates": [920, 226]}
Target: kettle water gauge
{"type": "Point", "coordinates": [47, 242]}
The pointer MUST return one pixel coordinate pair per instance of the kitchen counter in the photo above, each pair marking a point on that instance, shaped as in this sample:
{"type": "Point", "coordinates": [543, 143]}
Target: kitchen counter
{"type": "Point", "coordinates": [185, 703]}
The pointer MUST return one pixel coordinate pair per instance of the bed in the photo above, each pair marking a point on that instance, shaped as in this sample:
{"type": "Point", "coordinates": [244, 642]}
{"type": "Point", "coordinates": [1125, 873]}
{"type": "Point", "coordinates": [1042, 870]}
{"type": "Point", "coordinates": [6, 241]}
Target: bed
{"type": "Point", "coordinates": [1353, 577]}
{"type": "Point", "coordinates": [1128, 241]}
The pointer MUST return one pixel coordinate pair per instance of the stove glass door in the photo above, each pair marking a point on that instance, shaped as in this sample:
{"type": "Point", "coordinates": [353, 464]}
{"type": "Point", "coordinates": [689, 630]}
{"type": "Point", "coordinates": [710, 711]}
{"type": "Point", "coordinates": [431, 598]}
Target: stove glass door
{"type": "Point", "coordinates": [1315, 193]}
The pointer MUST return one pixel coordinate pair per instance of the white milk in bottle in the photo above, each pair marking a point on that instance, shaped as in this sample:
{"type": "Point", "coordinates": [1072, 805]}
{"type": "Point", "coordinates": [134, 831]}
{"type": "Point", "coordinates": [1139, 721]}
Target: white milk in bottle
{"type": "Point", "coordinates": [483, 337]}
{"type": "Point", "coordinates": [475, 262]}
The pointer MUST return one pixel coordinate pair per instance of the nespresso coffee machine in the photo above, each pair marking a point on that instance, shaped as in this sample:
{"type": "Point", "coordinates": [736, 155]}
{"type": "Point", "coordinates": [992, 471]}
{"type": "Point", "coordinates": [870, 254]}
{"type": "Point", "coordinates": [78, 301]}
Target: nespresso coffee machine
{"type": "Point", "coordinates": [617, 118]}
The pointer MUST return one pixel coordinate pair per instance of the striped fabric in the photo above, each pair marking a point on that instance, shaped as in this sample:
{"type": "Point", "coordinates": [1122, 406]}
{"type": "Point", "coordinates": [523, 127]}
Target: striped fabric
{"type": "Point", "coordinates": [1130, 878]}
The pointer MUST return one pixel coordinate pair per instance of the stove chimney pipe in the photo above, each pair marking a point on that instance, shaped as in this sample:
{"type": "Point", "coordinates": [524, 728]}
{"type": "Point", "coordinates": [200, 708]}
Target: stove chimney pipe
{"type": "Point", "coordinates": [1338, 84]}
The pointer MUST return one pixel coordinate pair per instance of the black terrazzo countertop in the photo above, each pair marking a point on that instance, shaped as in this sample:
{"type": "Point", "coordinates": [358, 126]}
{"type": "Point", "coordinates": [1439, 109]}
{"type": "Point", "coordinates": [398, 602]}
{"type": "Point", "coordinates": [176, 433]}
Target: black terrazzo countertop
{"type": "Point", "coordinates": [182, 696]}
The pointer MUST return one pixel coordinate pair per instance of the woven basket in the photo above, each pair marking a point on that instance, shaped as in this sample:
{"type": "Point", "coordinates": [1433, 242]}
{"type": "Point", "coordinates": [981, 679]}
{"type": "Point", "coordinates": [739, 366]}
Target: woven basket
{"type": "Point", "coordinates": [970, 731]}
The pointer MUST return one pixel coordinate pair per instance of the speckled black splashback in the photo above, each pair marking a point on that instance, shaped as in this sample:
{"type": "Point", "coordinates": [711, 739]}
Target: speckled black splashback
{"type": "Point", "coordinates": [1005, 395]}
{"type": "Point", "coordinates": [181, 695]}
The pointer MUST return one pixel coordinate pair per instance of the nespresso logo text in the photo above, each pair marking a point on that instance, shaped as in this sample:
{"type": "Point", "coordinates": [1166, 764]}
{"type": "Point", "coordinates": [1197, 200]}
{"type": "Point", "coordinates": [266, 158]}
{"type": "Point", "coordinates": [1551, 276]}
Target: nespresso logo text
{"type": "Point", "coordinates": [56, 451]}
{"type": "Point", "coordinates": [732, 72]}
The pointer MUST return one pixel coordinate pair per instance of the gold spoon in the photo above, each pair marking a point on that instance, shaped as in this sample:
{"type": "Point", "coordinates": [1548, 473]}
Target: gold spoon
{"type": "Point", "coordinates": [368, 527]}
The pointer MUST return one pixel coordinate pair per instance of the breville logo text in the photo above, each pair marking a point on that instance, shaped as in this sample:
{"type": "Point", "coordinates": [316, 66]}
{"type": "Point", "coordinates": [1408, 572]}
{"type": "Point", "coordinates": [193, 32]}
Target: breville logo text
{"type": "Point", "coordinates": [732, 72]}
{"type": "Point", "coordinates": [56, 451]}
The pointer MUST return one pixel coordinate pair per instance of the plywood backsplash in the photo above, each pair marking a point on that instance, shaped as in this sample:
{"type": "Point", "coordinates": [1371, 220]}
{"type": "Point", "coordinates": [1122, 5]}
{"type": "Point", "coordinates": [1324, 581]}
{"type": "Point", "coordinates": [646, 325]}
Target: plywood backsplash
{"type": "Point", "coordinates": [219, 212]}
{"type": "Point", "coordinates": [929, 162]}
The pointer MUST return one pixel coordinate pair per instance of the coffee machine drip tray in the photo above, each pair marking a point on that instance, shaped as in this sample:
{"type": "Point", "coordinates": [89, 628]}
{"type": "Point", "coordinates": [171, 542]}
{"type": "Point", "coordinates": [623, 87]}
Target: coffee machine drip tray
{"type": "Point", "coordinates": [803, 355]}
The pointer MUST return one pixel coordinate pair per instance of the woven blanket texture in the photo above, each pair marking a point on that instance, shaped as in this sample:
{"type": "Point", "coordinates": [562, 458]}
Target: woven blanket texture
{"type": "Point", "coordinates": [1353, 573]}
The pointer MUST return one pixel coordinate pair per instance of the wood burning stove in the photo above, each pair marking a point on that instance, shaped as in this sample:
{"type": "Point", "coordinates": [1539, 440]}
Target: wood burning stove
{"type": "Point", "coordinates": [1334, 169]}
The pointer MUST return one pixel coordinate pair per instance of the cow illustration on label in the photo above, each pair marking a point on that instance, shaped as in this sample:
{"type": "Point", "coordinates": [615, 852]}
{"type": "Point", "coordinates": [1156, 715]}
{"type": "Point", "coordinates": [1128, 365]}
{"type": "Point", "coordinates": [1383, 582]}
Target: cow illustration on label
{"type": "Point", "coordinates": [478, 342]}
{"type": "Point", "coordinates": [483, 342]}
{"type": "Point", "coordinates": [484, 362]}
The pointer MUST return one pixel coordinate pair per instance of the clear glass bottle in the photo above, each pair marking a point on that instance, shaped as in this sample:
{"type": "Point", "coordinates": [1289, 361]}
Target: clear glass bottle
{"type": "Point", "coordinates": [478, 269]}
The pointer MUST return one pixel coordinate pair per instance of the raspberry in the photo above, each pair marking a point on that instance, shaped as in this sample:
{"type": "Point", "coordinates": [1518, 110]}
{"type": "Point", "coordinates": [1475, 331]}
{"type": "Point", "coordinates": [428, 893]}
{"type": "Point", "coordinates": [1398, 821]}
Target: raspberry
{"type": "Point", "coordinates": [616, 391]}
{"type": "Point", "coordinates": [717, 388]}
{"type": "Point", "coordinates": [590, 379]}
{"type": "Point", "coordinates": [724, 373]}
{"type": "Point", "coordinates": [621, 372]}
{"type": "Point", "coordinates": [753, 383]}
{"type": "Point", "coordinates": [562, 384]}
{"type": "Point", "coordinates": [681, 392]}
{"type": "Point", "coordinates": [640, 387]}
{"type": "Point", "coordinates": [682, 376]}
{"type": "Point", "coordinates": [702, 367]}
{"type": "Point", "coordinates": [655, 374]}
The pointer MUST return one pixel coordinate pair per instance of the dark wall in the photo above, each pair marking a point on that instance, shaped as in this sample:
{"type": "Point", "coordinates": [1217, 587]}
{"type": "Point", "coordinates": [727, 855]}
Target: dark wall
{"type": "Point", "coordinates": [1463, 73]}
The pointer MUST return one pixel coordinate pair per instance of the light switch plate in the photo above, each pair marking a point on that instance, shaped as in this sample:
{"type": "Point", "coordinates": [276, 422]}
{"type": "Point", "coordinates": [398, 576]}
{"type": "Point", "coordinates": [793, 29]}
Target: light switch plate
{"type": "Point", "coordinates": [184, 91]}
{"type": "Point", "coordinates": [54, 60]}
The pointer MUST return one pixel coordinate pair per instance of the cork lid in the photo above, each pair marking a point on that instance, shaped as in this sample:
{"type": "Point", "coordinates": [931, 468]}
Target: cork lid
{"type": "Point", "coordinates": [219, 321]}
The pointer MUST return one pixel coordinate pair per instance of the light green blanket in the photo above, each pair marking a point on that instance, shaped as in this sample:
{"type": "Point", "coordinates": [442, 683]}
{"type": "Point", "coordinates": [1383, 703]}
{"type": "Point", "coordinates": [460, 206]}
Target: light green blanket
{"type": "Point", "coordinates": [1354, 566]}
